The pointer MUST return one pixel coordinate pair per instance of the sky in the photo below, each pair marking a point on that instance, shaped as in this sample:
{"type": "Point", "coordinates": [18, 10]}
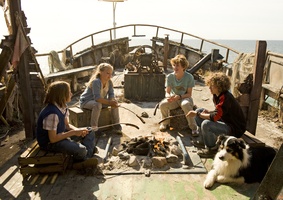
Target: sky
{"type": "Point", "coordinates": [57, 23]}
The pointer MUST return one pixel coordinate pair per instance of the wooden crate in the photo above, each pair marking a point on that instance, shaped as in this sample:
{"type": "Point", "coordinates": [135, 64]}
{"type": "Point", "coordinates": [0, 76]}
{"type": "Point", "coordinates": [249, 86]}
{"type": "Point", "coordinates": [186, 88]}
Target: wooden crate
{"type": "Point", "coordinates": [144, 87]}
{"type": "Point", "coordinates": [81, 117]}
{"type": "Point", "coordinates": [36, 161]}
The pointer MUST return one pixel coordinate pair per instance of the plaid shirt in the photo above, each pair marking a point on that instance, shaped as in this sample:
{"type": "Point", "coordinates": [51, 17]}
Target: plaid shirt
{"type": "Point", "coordinates": [52, 120]}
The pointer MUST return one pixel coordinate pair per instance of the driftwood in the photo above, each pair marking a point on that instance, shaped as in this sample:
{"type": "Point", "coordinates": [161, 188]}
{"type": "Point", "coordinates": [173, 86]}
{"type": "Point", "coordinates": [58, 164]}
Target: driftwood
{"type": "Point", "coordinates": [146, 146]}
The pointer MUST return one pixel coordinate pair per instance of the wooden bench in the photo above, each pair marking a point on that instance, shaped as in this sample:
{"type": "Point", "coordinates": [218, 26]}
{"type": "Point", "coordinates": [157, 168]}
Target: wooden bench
{"type": "Point", "coordinates": [71, 76]}
{"type": "Point", "coordinates": [275, 105]}
{"type": "Point", "coordinates": [272, 87]}
{"type": "Point", "coordinates": [37, 161]}
{"type": "Point", "coordinates": [81, 117]}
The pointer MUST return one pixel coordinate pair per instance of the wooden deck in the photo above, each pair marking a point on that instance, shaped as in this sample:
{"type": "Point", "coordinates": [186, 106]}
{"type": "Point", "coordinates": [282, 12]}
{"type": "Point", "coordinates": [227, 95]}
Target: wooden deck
{"type": "Point", "coordinates": [73, 185]}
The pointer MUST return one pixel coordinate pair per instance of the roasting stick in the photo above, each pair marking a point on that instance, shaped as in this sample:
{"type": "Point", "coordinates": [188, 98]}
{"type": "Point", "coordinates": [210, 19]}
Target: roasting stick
{"type": "Point", "coordinates": [95, 128]}
{"type": "Point", "coordinates": [133, 113]}
{"type": "Point", "coordinates": [170, 117]}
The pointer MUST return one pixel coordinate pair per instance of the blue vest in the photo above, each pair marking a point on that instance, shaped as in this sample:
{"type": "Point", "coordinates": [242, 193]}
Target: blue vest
{"type": "Point", "coordinates": [42, 134]}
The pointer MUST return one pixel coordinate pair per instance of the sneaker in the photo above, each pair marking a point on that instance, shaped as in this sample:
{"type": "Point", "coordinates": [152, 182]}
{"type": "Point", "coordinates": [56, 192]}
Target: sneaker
{"type": "Point", "coordinates": [208, 152]}
{"type": "Point", "coordinates": [163, 127]}
{"type": "Point", "coordinates": [118, 132]}
{"type": "Point", "coordinates": [199, 144]}
{"type": "Point", "coordinates": [88, 163]}
{"type": "Point", "coordinates": [195, 133]}
{"type": "Point", "coordinates": [118, 127]}
{"type": "Point", "coordinates": [98, 132]}
{"type": "Point", "coordinates": [95, 150]}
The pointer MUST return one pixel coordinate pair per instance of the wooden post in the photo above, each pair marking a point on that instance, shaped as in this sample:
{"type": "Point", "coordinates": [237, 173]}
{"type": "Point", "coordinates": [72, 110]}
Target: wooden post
{"type": "Point", "coordinates": [260, 58]}
{"type": "Point", "coordinates": [166, 48]}
{"type": "Point", "coordinates": [26, 95]}
{"type": "Point", "coordinates": [5, 56]}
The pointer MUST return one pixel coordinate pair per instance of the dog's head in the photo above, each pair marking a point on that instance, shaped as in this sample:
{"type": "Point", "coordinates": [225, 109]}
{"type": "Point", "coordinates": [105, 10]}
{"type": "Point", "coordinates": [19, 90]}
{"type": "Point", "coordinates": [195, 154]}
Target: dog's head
{"type": "Point", "coordinates": [231, 148]}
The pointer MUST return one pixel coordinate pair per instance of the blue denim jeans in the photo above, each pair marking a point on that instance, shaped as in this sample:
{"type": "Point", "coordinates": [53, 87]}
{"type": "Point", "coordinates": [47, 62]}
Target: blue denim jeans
{"type": "Point", "coordinates": [79, 150]}
{"type": "Point", "coordinates": [210, 130]}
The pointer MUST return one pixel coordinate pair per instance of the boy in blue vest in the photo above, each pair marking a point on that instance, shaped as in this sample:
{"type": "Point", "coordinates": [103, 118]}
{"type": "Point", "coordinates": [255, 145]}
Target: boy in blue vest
{"type": "Point", "coordinates": [54, 133]}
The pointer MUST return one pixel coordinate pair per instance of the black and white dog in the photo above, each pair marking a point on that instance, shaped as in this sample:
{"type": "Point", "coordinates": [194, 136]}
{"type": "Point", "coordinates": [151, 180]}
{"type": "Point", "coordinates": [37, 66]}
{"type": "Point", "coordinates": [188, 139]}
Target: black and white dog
{"type": "Point", "coordinates": [236, 162]}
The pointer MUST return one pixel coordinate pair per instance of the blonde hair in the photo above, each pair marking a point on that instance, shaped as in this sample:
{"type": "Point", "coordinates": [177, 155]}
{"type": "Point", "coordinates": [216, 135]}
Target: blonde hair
{"type": "Point", "coordinates": [100, 68]}
{"type": "Point", "coordinates": [57, 92]}
{"type": "Point", "coordinates": [180, 59]}
{"type": "Point", "coordinates": [219, 80]}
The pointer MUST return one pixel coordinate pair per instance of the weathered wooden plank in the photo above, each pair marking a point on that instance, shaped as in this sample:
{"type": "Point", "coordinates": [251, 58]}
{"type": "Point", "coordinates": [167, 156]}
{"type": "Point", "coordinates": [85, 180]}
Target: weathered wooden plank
{"type": "Point", "coordinates": [260, 58]}
{"type": "Point", "coordinates": [34, 160]}
{"type": "Point", "coordinates": [5, 56]}
{"type": "Point", "coordinates": [34, 179]}
{"type": "Point", "coordinates": [59, 158]}
{"type": "Point", "coordinates": [27, 98]}
{"type": "Point", "coordinates": [54, 177]}
{"type": "Point", "coordinates": [30, 149]}
{"type": "Point", "coordinates": [10, 179]}
{"type": "Point", "coordinates": [4, 100]}
{"type": "Point", "coordinates": [69, 72]}
{"type": "Point", "coordinates": [81, 117]}
{"type": "Point", "coordinates": [43, 169]}
{"type": "Point", "coordinates": [252, 140]}
{"type": "Point", "coordinates": [71, 76]}
{"type": "Point", "coordinates": [271, 186]}
{"type": "Point", "coordinates": [271, 88]}
{"type": "Point", "coordinates": [43, 180]}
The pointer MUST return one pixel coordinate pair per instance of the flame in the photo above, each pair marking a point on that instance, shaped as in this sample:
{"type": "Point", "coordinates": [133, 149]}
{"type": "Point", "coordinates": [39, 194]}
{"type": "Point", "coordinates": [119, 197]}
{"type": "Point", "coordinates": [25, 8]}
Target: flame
{"type": "Point", "coordinates": [159, 143]}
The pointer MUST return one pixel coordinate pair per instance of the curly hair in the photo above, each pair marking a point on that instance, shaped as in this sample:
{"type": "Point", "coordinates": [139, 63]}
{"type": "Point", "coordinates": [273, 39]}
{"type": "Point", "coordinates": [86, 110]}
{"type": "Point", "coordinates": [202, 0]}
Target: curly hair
{"type": "Point", "coordinates": [57, 92]}
{"type": "Point", "coordinates": [219, 80]}
{"type": "Point", "coordinates": [100, 68]}
{"type": "Point", "coordinates": [180, 59]}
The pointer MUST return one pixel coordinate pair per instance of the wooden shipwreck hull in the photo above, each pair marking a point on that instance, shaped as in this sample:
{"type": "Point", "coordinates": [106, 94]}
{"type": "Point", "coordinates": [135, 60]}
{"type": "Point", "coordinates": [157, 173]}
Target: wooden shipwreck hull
{"type": "Point", "coordinates": [80, 58]}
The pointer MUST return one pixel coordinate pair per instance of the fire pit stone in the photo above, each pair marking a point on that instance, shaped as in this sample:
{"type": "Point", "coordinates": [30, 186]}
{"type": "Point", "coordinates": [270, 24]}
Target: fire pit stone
{"type": "Point", "coordinates": [159, 161]}
{"type": "Point", "coordinates": [145, 152]}
{"type": "Point", "coordinates": [133, 162]}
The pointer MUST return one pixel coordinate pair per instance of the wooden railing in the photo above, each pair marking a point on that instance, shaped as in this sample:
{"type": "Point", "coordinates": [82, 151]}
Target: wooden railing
{"type": "Point", "coordinates": [142, 30]}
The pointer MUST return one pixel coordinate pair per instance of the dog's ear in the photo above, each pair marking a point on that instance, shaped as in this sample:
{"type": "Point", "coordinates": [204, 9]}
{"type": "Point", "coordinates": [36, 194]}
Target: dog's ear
{"type": "Point", "coordinates": [242, 143]}
{"type": "Point", "coordinates": [220, 138]}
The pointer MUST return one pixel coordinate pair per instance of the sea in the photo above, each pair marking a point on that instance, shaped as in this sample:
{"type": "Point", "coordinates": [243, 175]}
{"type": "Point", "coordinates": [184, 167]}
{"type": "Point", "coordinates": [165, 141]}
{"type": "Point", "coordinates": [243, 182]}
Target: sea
{"type": "Point", "coordinates": [245, 46]}
{"type": "Point", "coordinates": [248, 46]}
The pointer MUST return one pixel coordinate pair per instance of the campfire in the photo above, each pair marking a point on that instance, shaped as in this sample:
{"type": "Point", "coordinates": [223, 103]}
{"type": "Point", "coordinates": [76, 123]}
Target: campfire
{"type": "Point", "coordinates": [145, 152]}
{"type": "Point", "coordinates": [147, 146]}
